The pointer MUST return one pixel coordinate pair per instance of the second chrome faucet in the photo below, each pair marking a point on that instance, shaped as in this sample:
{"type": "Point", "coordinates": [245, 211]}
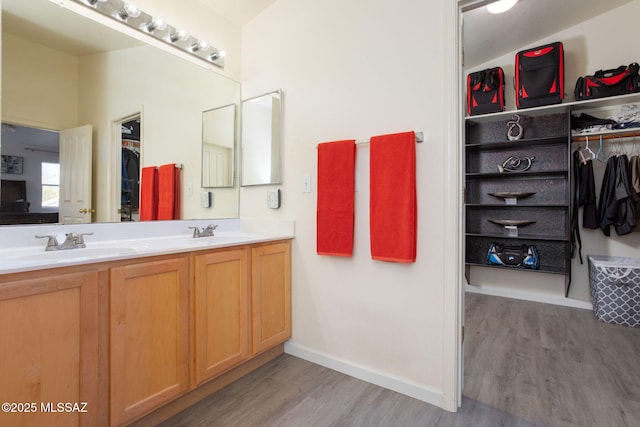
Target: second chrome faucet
{"type": "Point", "coordinates": [206, 231]}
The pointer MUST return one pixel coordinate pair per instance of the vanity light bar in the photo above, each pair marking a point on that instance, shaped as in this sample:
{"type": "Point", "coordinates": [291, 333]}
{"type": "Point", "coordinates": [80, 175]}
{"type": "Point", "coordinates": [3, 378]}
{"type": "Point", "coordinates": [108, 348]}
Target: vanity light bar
{"type": "Point", "coordinates": [127, 13]}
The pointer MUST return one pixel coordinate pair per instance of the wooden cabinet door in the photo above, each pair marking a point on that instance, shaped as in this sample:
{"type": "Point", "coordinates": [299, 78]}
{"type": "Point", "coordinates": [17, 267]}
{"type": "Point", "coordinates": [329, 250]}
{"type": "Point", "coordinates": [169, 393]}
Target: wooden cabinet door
{"type": "Point", "coordinates": [49, 350]}
{"type": "Point", "coordinates": [149, 336]}
{"type": "Point", "coordinates": [221, 312]}
{"type": "Point", "coordinates": [271, 295]}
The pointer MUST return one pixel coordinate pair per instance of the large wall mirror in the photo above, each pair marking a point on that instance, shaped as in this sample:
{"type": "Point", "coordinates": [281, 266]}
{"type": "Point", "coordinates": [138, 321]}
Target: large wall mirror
{"type": "Point", "coordinates": [62, 70]}
{"type": "Point", "coordinates": [218, 146]}
{"type": "Point", "coordinates": [261, 128]}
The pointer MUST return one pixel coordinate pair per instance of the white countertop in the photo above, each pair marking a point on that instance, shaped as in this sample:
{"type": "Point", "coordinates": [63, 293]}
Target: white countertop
{"type": "Point", "coordinates": [112, 242]}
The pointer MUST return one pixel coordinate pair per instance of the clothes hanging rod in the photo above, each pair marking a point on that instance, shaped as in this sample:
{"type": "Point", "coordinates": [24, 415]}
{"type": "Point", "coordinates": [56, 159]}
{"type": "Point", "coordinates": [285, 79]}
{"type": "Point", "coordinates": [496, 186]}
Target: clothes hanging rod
{"type": "Point", "coordinates": [596, 137]}
{"type": "Point", "coordinates": [419, 139]}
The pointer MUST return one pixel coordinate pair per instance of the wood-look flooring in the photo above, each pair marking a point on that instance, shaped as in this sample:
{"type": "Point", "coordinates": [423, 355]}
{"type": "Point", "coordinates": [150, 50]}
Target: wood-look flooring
{"type": "Point", "coordinates": [526, 364]}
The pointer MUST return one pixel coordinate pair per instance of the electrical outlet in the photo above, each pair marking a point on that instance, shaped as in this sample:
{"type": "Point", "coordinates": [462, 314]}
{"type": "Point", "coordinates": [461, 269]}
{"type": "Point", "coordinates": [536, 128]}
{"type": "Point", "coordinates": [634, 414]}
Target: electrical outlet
{"type": "Point", "coordinates": [273, 199]}
{"type": "Point", "coordinates": [205, 199]}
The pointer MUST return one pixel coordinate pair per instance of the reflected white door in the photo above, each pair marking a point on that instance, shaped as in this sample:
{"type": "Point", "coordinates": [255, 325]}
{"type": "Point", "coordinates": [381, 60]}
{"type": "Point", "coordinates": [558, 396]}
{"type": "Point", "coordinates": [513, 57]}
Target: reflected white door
{"type": "Point", "coordinates": [75, 175]}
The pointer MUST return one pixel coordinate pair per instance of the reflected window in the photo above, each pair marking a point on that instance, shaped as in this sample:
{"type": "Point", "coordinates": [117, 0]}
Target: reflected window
{"type": "Point", "coordinates": [50, 184]}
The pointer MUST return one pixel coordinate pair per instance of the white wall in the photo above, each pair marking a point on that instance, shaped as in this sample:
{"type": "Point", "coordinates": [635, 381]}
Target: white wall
{"type": "Point", "coordinates": [353, 70]}
{"type": "Point", "coordinates": [601, 43]}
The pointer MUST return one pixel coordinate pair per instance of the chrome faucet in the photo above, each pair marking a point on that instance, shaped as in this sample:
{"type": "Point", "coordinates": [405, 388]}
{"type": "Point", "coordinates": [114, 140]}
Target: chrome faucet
{"type": "Point", "coordinates": [71, 241]}
{"type": "Point", "coordinates": [206, 231]}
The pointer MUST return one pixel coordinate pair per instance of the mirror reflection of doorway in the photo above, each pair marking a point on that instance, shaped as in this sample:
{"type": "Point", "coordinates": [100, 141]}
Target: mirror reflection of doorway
{"type": "Point", "coordinates": [130, 173]}
{"type": "Point", "coordinates": [30, 188]}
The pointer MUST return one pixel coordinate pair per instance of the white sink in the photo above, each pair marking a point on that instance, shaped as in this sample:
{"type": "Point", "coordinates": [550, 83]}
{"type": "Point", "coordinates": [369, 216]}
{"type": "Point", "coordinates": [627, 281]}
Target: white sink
{"type": "Point", "coordinates": [75, 254]}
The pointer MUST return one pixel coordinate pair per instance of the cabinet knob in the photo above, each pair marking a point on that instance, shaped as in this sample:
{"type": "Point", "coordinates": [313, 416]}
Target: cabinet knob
{"type": "Point", "coordinates": [85, 210]}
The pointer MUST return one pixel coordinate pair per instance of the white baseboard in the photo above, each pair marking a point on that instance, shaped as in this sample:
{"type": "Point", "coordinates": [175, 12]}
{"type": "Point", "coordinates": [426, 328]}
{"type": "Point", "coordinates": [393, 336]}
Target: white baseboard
{"type": "Point", "coordinates": [399, 385]}
{"type": "Point", "coordinates": [528, 296]}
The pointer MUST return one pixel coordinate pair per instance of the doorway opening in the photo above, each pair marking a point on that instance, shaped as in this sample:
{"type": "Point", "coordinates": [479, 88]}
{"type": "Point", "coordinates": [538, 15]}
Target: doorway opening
{"type": "Point", "coordinates": [30, 188]}
{"type": "Point", "coordinates": [130, 150]}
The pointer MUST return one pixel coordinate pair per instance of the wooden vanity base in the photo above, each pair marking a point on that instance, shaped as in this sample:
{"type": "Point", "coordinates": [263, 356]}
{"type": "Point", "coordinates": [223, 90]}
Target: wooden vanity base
{"type": "Point", "coordinates": [206, 390]}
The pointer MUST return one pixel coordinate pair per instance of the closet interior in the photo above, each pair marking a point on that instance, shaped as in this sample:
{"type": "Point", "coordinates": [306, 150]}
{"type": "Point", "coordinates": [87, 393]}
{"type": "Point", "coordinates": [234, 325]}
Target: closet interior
{"type": "Point", "coordinates": [537, 206]}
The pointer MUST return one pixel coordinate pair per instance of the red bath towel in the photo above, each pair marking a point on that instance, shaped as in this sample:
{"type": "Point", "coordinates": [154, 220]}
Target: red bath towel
{"type": "Point", "coordinates": [168, 192]}
{"type": "Point", "coordinates": [336, 186]}
{"type": "Point", "coordinates": [393, 205]}
{"type": "Point", "coordinates": [149, 194]}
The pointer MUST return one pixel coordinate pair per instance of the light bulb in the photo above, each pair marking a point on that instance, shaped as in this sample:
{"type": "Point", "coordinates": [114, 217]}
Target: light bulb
{"type": "Point", "coordinates": [199, 45]}
{"type": "Point", "coordinates": [128, 10]}
{"type": "Point", "coordinates": [153, 25]}
{"type": "Point", "coordinates": [501, 6]}
{"type": "Point", "coordinates": [178, 35]}
{"type": "Point", "coordinates": [217, 55]}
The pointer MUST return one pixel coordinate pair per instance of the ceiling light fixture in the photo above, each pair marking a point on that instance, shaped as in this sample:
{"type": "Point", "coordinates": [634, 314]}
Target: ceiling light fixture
{"type": "Point", "coordinates": [128, 10]}
{"type": "Point", "coordinates": [153, 25]}
{"type": "Point", "coordinates": [126, 13]}
{"type": "Point", "coordinates": [501, 6]}
{"type": "Point", "coordinates": [92, 3]}
{"type": "Point", "coordinates": [199, 45]}
{"type": "Point", "coordinates": [178, 35]}
{"type": "Point", "coordinates": [217, 55]}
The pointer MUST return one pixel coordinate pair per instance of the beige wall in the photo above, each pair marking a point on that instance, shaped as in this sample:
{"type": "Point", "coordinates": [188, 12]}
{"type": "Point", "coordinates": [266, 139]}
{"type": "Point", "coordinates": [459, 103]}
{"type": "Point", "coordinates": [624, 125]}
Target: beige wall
{"type": "Point", "coordinates": [601, 43]}
{"type": "Point", "coordinates": [171, 94]}
{"type": "Point", "coordinates": [40, 85]}
{"type": "Point", "coordinates": [352, 70]}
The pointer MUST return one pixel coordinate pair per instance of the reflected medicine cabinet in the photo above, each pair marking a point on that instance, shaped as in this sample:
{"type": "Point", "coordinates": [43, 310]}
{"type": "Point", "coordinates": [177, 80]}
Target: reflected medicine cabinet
{"type": "Point", "coordinates": [261, 133]}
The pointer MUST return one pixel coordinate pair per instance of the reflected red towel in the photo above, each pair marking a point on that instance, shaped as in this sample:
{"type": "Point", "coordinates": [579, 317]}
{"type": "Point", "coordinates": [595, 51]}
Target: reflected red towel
{"type": "Point", "coordinates": [393, 205]}
{"type": "Point", "coordinates": [336, 186]}
{"type": "Point", "coordinates": [149, 194]}
{"type": "Point", "coordinates": [168, 192]}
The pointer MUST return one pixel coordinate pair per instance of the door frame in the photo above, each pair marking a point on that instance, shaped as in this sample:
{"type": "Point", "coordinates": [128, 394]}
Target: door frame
{"type": "Point", "coordinates": [116, 161]}
{"type": "Point", "coordinates": [453, 307]}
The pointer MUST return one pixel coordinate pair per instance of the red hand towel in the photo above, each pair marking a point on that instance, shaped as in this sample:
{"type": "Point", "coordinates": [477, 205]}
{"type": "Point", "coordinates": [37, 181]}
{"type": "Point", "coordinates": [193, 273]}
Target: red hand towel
{"type": "Point", "coordinates": [336, 186]}
{"type": "Point", "coordinates": [176, 194]}
{"type": "Point", "coordinates": [393, 205]}
{"type": "Point", "coordinates": [167, 192]}
{"type": "Point", "coordinates": [149, 194]}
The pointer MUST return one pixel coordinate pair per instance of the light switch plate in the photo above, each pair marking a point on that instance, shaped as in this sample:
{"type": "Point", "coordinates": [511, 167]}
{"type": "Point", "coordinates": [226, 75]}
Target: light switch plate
{"type": "Point", "coordinates": [273, 199]}
{"type": "Point", "coordinates": [205, 199]}
{"type": "Point", "coordinates": [306, 183]}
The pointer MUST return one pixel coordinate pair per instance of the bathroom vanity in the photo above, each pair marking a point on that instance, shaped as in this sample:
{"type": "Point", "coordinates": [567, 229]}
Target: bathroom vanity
{"type": "Point", "coordinates": [137, 325]}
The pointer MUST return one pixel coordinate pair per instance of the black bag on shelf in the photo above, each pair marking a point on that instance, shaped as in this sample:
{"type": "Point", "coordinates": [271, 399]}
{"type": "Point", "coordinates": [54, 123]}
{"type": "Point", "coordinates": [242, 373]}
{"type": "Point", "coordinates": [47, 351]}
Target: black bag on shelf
{"type": "Point", "coordinates": [520, 256]}
{"type": "Point", "coordinates": [485, 91]}
{"type": "Point", "coordinates": [539, 76]}
{"type": "Point", "coordinates": [617, 81]}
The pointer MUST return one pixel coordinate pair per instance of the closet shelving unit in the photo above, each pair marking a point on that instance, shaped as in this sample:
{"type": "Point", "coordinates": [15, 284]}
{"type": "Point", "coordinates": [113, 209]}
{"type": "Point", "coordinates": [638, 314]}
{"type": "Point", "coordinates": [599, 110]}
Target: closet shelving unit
{"type": "Point", "coordinates": [546, 183]}
{"type": "Point", "coordinates": [547, 136]}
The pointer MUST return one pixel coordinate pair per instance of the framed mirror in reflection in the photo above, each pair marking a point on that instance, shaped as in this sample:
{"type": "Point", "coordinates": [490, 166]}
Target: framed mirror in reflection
{"type": "Point", "coordinates": [218, 146]}
{"type": "Point", "coordinates": [261, 130]}
{"type": "Point", "coordinates": [62, 70]}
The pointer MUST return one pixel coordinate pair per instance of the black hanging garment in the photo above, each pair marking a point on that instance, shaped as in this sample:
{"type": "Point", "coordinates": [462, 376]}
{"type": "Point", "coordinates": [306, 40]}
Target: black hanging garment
{"type": "Point", "coordinates": [608, 204]}
{"type": "Point", "coordinates": [587, 195]}
{"type": "Point", "coordinates": [626, 197]}
{"type": "Point", "coordinates": [584, 196]}
{"type": "Point", "coordinates": [634, 163]}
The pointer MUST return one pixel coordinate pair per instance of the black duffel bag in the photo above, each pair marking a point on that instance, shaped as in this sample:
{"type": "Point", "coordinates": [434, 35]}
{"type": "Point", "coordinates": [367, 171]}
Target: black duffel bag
{"type": "Point", "coordinates": [522, 256]}
{"type": "Point", "coordinates": [618, 81]}
{"type": "Point", "coordinates": [485, 91]}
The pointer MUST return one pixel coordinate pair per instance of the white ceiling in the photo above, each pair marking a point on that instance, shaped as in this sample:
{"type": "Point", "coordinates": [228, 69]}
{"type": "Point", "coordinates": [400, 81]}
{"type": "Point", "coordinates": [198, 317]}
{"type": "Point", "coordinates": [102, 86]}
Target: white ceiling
{"type": "Point", "coordinates": [488, 36]}
{"type": "Point", "coordinates": [238, 11]}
